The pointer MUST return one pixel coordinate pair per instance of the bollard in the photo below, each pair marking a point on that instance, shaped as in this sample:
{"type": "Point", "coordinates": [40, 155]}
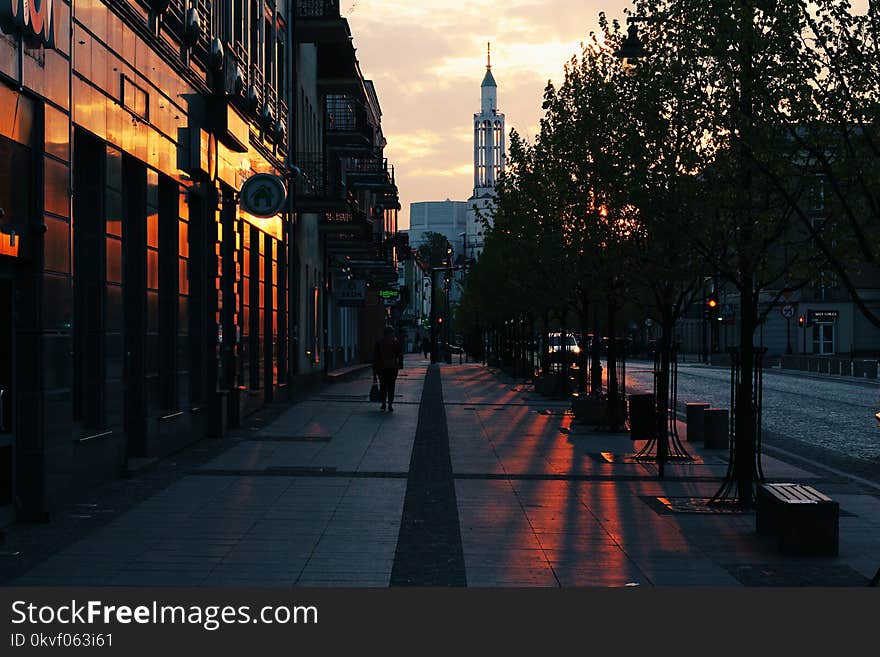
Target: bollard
{"type": "Point", "coordinates": [694, 419]}
{"type": "Point", "coordinates": [716, 428]}
{"type": "Point", "coordinates": [641, 417]}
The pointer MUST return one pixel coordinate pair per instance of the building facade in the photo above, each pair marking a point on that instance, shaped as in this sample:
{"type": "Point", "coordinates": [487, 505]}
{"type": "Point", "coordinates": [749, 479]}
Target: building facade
{"type": "Point", "coordinates": [141, 308]}
{"type": "Point", "coordinates": [449, 218]}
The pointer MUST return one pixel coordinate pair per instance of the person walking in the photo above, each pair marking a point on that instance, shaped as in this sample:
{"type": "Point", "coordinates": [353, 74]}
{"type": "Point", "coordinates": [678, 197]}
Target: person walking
{"type": "Point", "coordinates": [387, 361]}
{"type": "Point", "coordinates": [426, 346]}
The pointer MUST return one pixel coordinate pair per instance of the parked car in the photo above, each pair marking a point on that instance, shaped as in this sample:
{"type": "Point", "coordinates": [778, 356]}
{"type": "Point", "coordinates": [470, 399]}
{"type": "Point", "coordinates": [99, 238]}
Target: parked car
{"type": "Point", "coordinates": [454, 348]}
{"type": "Point", "coordinates": [557, 344]}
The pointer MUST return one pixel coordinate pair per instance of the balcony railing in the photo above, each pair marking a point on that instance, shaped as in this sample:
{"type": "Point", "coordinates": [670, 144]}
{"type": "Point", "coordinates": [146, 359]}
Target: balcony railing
{"type": "Point", "coordinates": [347, 125]}
{"type": "Point", "coordinates": [320, 186]}
{"type": "Point", "coordinates": [317, 8]}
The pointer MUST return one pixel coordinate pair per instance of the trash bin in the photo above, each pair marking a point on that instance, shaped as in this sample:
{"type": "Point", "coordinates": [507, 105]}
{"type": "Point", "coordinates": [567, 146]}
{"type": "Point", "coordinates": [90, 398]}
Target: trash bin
{"type": "Point", "coordinates": [641, 416]}
{"type": "Point", "coordinates": [694, 419]}
{"type": "Point", "coordinates": [716, 428]}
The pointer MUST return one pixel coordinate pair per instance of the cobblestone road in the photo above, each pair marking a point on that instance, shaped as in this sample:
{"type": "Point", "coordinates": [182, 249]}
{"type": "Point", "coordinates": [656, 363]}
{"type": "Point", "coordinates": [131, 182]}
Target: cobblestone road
{"type": "Point", "coordinates": [833, 414]}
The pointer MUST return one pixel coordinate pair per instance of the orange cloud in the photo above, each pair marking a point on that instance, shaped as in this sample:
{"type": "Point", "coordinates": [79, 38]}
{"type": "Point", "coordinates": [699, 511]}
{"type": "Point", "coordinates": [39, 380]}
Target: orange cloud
{"type": "Point", "coordinates": [428, 58]}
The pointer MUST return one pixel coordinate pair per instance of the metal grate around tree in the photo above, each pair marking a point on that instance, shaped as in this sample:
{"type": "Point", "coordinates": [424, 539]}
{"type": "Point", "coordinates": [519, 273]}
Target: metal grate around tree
{"type": "Point", "coordinates": [729, 489]}
{"type": "Point", "coordinates": [615, 361]}
{"type": "Point", "coordinates": [668, 446]}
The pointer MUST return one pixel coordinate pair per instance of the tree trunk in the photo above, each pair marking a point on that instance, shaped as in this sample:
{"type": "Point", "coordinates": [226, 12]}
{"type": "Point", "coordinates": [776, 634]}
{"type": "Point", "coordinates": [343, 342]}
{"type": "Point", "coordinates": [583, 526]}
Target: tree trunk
{"type": "Point", "coordinates": [744, 420]}
{"type": "Point", "coordinates": [596, 354]}
{"type": "Point", "coordinates": [545, 343]}
{"type": "Point", "coordinates": [661, 393]}
{"type": "Point", "coordinates": [583, 357]}
{"type": "Point", "coordinates": [563, 352]}
{"type": "Point", "coordinates": [614, 420]}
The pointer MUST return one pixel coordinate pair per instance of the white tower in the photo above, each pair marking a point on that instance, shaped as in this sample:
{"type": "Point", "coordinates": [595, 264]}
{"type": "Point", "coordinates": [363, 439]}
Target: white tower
{"type": "Point", "coordinates": [489, 156]}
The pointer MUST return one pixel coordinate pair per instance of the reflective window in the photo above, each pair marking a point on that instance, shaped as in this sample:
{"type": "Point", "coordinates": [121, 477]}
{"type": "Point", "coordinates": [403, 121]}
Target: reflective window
{"type": "Point", "coordinates": [57, 134]}
{"type": "Point", "coordinates": [56, 185]}
{"type": "Point", "coordinates": [57, 245]}
{"type": "Point", "coordinates": [114, 260]}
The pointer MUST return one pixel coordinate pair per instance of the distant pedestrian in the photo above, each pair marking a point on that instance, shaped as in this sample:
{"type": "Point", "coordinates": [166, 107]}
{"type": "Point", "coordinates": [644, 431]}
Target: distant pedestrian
{"type": "Point", "coordinates": [387, 361]}
{"type": "Point", "coordinates": [426, 346]}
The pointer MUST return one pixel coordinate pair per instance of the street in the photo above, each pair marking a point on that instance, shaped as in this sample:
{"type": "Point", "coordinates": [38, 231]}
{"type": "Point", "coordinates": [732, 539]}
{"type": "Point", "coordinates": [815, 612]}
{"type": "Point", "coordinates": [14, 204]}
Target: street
{"type": "Point", "coordinates": [475, 480]}
{"type": "Point", "coordinates": [826, 413]}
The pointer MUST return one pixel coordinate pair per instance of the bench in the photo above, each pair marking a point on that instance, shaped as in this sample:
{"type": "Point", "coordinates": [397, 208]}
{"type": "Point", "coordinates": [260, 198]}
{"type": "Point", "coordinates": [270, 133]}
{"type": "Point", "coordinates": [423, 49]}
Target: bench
{"type": "Point", "coordinates": [804, 520]}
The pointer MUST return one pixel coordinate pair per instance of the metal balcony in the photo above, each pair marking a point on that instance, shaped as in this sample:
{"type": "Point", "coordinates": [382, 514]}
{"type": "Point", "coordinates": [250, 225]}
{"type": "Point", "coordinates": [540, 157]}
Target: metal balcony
{"type": "Point", "coordinates": [347, 126]}
{"type": "Point", "coordinates": [370, 173]}
{"type": "Point", "coordinates": [320, 187]}
{"type": "Point", "coordinates": [319, 21]}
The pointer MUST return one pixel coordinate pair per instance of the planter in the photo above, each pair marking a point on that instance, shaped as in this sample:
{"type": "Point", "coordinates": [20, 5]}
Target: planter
{"type": "Point", "coordinates": [549, 385]}
{"type": "Point", "coordinates": [641, 417]}
{"type": "Point", "coordinates": [592, 410]}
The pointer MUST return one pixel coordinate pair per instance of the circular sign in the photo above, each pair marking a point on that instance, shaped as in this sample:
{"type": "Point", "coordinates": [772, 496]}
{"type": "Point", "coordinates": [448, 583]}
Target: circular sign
{"type": "Point", "coordinates": [788, 311]}
{"type": "Point", "coordinates": [263, 195]}
{"type": "Point", "coordinates": [649, 322]}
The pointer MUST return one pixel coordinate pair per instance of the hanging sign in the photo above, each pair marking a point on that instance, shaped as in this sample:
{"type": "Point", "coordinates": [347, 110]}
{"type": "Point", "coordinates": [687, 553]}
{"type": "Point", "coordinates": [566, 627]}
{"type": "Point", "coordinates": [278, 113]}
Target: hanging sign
{"type": "Point", "coordinates": [350, 293]}
{"type": "Point", "coordinates": [263, 195]}
{"type": "Point", "coordinates": [33, 19]}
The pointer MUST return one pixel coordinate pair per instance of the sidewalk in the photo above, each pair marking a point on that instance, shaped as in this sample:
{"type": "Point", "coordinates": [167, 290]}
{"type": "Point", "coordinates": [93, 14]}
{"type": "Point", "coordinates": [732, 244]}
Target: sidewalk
{"type": "Point", "coordinates": [473, 480]}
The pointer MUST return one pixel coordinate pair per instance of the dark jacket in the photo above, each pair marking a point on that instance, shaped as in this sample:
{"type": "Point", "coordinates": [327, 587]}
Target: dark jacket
{"type": "Point", "coordinates": [388, 354]}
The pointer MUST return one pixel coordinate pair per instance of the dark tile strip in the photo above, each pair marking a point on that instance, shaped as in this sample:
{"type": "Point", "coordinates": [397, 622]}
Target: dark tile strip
{"type": "Point", "coordinates": [429, 550]}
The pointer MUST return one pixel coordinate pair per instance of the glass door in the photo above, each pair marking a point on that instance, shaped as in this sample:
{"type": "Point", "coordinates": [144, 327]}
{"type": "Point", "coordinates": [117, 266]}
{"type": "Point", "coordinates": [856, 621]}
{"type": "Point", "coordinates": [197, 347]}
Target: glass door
{"type": "Point", "coordinates": [823, 339]}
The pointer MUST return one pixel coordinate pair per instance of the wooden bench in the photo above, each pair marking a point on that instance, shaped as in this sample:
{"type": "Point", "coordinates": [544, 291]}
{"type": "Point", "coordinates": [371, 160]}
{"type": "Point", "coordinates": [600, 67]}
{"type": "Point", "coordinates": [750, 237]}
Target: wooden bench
{"type": "Point", "coordinates": [804, 520]}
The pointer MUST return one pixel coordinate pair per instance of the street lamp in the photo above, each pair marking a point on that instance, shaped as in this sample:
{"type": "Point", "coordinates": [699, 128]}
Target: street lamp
{"type": "Point", "coordinates": [631, 49]}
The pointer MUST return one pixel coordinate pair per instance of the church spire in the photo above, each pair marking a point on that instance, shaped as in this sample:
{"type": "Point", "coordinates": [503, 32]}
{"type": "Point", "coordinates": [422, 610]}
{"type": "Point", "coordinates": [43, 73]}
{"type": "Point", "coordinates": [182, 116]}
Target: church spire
{"type": "Point", "coordinates": [489, 135]}
{"type": "Point", "coordinates": [489, 79]}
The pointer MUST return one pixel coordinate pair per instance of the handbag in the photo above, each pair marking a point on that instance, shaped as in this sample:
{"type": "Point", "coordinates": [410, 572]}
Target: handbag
{"type": "Point", "coordinates": [375, 395]}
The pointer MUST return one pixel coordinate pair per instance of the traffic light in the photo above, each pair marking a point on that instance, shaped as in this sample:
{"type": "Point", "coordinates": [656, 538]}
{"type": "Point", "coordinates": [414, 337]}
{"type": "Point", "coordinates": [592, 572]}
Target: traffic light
{"type": "Point", "coordinates": [439, 320]}
{"type": "Point", "coordinates": [712, 302]}
{"type": "Point", "coordinates": [801, 321]}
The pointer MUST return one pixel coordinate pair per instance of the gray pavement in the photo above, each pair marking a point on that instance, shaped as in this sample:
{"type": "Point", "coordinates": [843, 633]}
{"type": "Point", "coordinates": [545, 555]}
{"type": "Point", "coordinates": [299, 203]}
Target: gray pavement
{"type": "Point", "coordinates": [820, 420]}
{"type": "Point", "coordinates": [316, 497]}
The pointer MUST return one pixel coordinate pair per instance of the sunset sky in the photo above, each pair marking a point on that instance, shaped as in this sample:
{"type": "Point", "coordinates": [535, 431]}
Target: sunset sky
{"type": "Point", "coordinates": [428, 59]}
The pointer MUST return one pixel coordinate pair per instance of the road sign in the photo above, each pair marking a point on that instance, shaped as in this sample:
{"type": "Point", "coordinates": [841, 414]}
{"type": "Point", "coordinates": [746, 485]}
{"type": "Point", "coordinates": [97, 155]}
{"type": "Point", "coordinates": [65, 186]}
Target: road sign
{"type": "Point", "coordinates": [788, 310]}
{"type": "Point", "coordinates": [263, 195]}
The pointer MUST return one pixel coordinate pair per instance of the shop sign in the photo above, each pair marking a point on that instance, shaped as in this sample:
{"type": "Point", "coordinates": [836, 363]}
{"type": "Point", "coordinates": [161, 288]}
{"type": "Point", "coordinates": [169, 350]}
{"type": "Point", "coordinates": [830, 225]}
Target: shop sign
{"type": "Point", "coordinates": [389, 296]}
{"type": "Point", "coordinates": [33, 19]}
{"type": "Point", "coordinates": [263, 195]}
{"type": "Point", "coordinates": [823, 316]}
{"type": "Point", "coordinates": [350, 293]}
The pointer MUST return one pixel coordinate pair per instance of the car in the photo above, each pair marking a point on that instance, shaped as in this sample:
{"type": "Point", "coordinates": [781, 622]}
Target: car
{"type": "Point", "coordinates": [556, 347]}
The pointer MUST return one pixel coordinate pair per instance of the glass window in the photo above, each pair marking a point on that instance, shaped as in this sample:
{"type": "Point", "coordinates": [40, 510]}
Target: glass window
{"type": "Point", "coordinates": [56, 184]}
{"type": "Point", "coordinates": [57, 240]}
{"type": "Point", "coordinates": [152, 269]}
{"type": "Point", "coordinates": [114, 260]}
{"type": "Point", "coordinates": [57, 133]}
{"type": "Point", "coordinates": [153, 228]}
